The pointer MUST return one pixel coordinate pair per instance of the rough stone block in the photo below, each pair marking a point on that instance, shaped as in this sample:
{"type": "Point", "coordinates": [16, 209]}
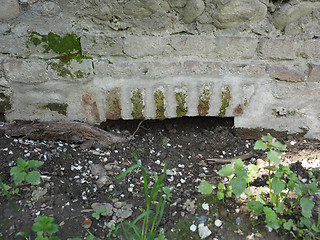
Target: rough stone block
{"type": "Point", "coordinates": [311, 49]}
{"type": "Point", "coordinates": [236, 48]}
{"type": "Point", "coordinates": [283, 73]}
{"type": "Point", "coordinates": [9, 9]}
{"type": "Point", "coordinates": [188, 45]}
{"type": "Point", "coordinates": [192, 10]}
{"type": "Point", "coordinates": [314, 72]}
{"type": "Point", "coordinates": [90, 108]}
{"type": "Point", "coordinates": [279, 49]}
{"type": "Point", "coordinates": [137, 47]}
{"type": "Point", "coordinates": [101, 45]}
{"type": "Point", "coordinates": [257, 70]}
{"type": "Point", "coordinates": [235, 12]}
{"type": "Point", "coordinates": [203, 67]}
{"type": "Point", "coordinates": [13, 45]}
{"type": "Point", "coordinates": [26, 71]}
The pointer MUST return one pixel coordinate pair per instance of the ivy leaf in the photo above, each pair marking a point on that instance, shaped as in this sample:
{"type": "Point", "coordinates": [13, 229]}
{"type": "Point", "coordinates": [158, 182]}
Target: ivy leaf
{"type": "Point", "coordinates": [260, 145]}
{"type": "Point", "coordinates": [277, 185]}
{"type": "Point", "coordinates": [280, 207]}
{"type": "Point", "coordinates": [205, 187]}
{"type": "Point", "coordinates": [21, 163]}
{"type": "Point", "coordinates": [306, 207]}
{"type": "Point", "coordinates": [274, 156]}
{"type": "Point", "coordinates": [226, 171]}
{"type": "Point", "coordinates": [238, 186]}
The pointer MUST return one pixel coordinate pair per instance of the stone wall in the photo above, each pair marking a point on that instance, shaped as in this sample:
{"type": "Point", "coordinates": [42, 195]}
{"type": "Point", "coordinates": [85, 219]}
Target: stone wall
{"type": "Point", "coordinates": [96, 60]}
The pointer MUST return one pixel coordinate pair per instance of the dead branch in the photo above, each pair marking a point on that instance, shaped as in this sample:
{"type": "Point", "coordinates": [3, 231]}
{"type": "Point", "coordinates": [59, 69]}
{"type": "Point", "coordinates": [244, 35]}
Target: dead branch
{"type": "Point", "coordinates": [75, 132]}
{"type": "Point", "coordinates": [228, 160]}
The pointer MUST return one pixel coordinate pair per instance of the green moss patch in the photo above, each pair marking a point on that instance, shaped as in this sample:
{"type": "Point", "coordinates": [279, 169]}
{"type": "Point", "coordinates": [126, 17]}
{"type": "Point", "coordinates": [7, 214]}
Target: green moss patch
{"type": "Point", "coordinates": [61, 108]}
{"type": "Point", "coordinates": [225, 101]}
{"type": "Point", "coordinates": [67, 46]}
{"type": "Point", "coordinates": [203, 106]}
{"type": "Point", "coordinates": [182, 108]}
{"type": "Point", "coordinates": [160, 105]}
{"type": "Point", "coordinates": [138, 106]}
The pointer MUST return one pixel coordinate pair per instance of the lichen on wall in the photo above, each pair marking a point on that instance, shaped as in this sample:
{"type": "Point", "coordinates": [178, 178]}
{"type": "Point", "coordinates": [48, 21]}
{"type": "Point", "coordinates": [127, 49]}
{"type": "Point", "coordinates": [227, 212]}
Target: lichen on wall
{"type": "Point", "coordinates": [181, 98]}
{"type": "Point", "coordinates": [225, 101]}
{"type": "Point", "coordinates": [138, 104]}
{"type": "Point", "coordinates": [159, 99]}
{"type": "Point", "coordinates": [204, 99]}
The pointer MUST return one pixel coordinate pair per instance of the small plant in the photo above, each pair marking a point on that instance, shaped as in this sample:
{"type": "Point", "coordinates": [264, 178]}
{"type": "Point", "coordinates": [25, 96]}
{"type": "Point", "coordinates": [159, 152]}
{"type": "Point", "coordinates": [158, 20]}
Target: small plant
{"type": "Point", "coordinates": [4, 190]}
{"type": "Point", "coordinates": [21, 171]}
{"type": "Point", "coordinates": [150, 220]}
{"type": "Point", "coordinates": [273, 204]}
{"type": "Point", "coordinates": [45, 227]}
{"type": "Point", "coordinates": [98, 212]}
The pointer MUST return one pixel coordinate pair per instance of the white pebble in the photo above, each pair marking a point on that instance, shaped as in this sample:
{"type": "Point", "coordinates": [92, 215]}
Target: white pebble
{"type": "Point", "coordinates": [218, 223]}
{"type": "Point", "coordinates": [205, 206]}
{"type": "Point", "coordinates": [193, 227]}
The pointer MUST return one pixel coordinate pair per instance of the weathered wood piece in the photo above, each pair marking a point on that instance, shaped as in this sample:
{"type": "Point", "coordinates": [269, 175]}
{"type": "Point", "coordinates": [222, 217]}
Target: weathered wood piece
{"type": "Point", "coordinates": [228, 160]}
{"type": "Point", "coordinates": [75, 132]}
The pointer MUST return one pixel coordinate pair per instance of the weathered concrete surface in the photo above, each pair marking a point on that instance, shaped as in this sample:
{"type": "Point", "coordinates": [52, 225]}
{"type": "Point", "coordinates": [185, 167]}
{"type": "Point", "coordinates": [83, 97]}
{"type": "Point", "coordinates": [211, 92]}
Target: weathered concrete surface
{"type": "Point", "coordinates": [9, 9]}
{"type": "Point", "coordinates": [93, 61]}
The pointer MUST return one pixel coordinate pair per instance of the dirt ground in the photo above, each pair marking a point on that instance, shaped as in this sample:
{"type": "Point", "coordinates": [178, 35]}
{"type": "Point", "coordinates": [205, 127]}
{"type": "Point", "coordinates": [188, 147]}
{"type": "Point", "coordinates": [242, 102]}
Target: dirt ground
{"type": "Point", "coordinates": [74, 180]}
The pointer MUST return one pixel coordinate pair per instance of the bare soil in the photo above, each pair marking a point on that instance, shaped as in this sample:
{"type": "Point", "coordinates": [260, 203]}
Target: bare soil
{"type": "Point", "coordinates": [70, 172]}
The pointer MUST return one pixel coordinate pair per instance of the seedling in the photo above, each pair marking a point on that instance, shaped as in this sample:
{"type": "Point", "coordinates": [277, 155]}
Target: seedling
{"type": "Point", "coordinates": [100, 211]}
{"type": "Point", "coordinates": [22, 171]}
{"type": "Point", "coordinates": [151, 220]}
{"type": "Point", "coordinates": [277, 210]}
{"type": "Point", "coordinates": [45, 227]}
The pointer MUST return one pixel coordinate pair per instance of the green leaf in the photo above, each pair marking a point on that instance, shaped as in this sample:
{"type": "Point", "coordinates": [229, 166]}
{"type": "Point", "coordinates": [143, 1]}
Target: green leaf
{"type": "Point", "coordinates": [274, 156]}
{"type": "Point", "coordinates": [288, 225]}
{"type": "Point", "coordinates": [205, 187]}
{"type": "Point", "coordinates": [34, 164]}
{"type": "Point", "coordinates": [45, 224]}
{"type": "Point", "coordinates": [260, 145]}
{"type": "Point", "coordinates": [271, 168]}
{"type": "Point", "coordinates": [238, 186]}
{"type": "Point", "coordinates": [33, 177]}
{"type": "Point", "coordinates": [21, 163]}
{"type": "Point", "coordinates": [255, 206]}
{"type": "Point", "coordinates": [226, 170]}
{"type": "Point", "coordinates": [280, 207]}
{"type": "Point", "coordinates": [19, 177]}
{"type": "Point", "coordinates": [306, 222]}
{"type": "Point", "coordinates": [277, 185]}
{"type": "Point", "coordinates": [306, 207]}
{"type": "Point", "coordinates": [279, 145]}
{"type": "Point", "coordinates": [272, 219]}
{"type": "Point", "coordinates": [221, 186]}
{"type": "Point", "coordinates": [220, 195]}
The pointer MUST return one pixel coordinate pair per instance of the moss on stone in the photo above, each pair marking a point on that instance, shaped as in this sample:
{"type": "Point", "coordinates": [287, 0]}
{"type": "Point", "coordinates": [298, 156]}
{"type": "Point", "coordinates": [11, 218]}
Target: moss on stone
{"type": "Point", "coordinates": [225, 101]}
{"type": "Point", "coordinates": [4, 103]}
{"type": "Point", "coordinates": [61, 69]}
{"type": "Point", "coordinates": [203, 106]}
{"type": "Point", "coordinates": [67, 46]}
{"type": "Point", "coordinates": [61, 108]}
{"type": "Point", "coordinates": [181, 109]}
{"type": "Point", "coordinates": [138, 106]}
{"type": "Point", "coordinates": [160, 105]}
